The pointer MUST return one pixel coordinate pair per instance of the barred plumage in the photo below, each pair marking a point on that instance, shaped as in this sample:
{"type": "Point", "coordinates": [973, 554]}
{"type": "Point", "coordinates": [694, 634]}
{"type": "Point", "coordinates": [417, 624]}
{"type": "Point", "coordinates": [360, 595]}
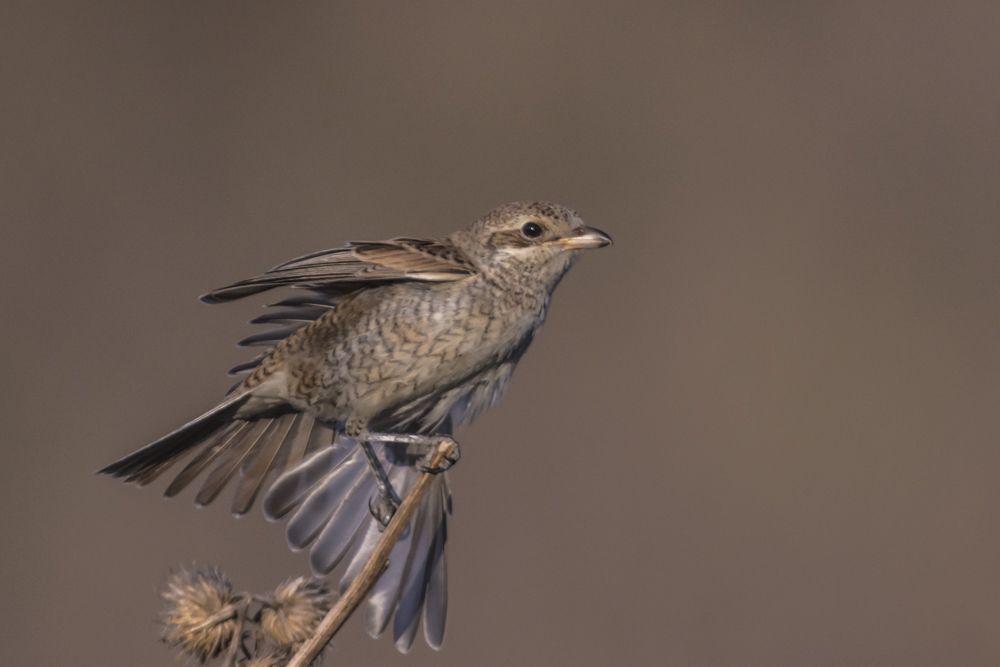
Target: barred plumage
{"type": "Point", "coordinates": [401, 336]}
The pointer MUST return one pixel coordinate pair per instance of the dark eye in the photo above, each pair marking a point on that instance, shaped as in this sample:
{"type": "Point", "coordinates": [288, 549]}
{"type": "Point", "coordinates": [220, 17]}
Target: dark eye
{"type": "Point", "coordinates": [532, 230]}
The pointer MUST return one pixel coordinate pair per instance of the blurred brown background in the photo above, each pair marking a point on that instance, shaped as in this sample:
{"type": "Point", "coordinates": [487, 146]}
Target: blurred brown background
{"type": "Point", "coordinates": [759, 430]}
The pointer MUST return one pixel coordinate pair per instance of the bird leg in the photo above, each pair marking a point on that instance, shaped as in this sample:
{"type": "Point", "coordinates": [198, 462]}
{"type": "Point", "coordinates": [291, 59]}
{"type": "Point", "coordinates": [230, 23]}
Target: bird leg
{"type": "Point", "coordinates": [388, 502]}
{"type": "Point", "coordinates": [427, 443]}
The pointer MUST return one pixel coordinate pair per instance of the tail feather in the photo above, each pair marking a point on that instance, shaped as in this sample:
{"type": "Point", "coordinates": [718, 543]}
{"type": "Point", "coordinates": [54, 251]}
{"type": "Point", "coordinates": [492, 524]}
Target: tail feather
{"type": "Point", "coordinates": [148, 475]}
{"type": "Point", "coordinates": [330, 492]}
{"type": "Point", "coordinates": [339, 532]}
{"type": "Point", "coordinates": [206, 457]}
{"type": "Point", "coordinates": [299, 440]}
{"type": "Point", "coordinates": [414, 586]}
{"type": "Point", "coordinates": [324, 500]}
{"type": "Point", "coordinates": [146, 464]}
{"type": "Point", "coordinates": [364, 542]}
{"type": "Point", "coordinates": [436, 602]}
{"type": "Point", "coordinates": [321, 437]}
{"type": "Point", "coordinates": [385, 594]}
{"type": "Point", "coordinates": [298, 480]}
{"type": "Point", "coordinates": [261, 463]}
{"type": "Point", "coordinates": [231, 459]}
{"type": "Point", "coordinates": [255, 447]}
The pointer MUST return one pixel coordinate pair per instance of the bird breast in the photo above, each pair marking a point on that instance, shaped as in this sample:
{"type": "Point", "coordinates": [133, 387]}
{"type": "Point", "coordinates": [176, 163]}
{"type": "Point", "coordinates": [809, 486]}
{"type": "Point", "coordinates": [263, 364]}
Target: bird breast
{"type": "Point", "coordinates": [408, 344]}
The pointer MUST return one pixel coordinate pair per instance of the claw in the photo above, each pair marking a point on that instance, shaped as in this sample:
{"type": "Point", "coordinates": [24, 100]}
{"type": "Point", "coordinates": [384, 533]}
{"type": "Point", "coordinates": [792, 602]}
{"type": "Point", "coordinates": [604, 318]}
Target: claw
{"type": "Point", "coordinates": [382, 508]}
{"type": "Point", "coordinates": [424, 466]}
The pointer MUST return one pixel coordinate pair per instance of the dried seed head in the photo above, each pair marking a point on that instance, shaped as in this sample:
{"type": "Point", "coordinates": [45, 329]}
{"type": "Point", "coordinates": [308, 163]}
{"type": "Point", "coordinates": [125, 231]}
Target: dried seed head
{"type": "Point", "coordinates": [293, 612]}
{"type": "Point", "coordinates": [279, 657]}
{"type": "Point", "coordinates": [201, 611]}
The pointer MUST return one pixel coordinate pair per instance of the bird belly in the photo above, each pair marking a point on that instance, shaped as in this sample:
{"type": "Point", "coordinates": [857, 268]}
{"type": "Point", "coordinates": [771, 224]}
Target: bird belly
{"type": "Point", "coordinates": [404, 354]}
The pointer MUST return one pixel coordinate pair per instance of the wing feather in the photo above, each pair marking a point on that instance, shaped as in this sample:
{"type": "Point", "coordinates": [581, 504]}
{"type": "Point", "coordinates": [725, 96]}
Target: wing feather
{"type": "Point", "coordinates": [358, 265]}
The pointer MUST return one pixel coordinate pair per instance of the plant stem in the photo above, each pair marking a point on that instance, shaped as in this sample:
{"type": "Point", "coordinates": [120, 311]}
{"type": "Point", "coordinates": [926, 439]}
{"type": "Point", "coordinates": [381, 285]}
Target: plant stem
{"type": "Point", "coordinates": [237, 641]}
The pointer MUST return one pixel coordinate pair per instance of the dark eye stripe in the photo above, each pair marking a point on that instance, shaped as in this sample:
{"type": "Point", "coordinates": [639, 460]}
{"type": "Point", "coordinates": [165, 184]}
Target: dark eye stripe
{"type": "Point", "coordinates": [509, 238]}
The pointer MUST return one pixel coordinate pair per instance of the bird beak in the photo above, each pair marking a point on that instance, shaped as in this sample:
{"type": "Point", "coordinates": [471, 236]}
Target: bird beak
{"type": "Point", "coordinates": [584, 238]}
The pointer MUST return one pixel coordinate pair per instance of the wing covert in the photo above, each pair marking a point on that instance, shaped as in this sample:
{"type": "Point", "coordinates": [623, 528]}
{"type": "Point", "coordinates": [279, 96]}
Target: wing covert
{"type": "Point", "coordinates": [358, 265]}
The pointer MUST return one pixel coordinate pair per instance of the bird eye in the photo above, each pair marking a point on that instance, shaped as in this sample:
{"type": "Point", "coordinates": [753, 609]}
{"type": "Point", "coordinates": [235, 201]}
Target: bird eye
{"type": "Point", "coordinates": [532, 230]}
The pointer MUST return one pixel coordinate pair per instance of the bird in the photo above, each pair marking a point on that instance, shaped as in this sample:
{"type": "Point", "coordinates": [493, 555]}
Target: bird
{"type": "Point", "coordinates": [384, 348]}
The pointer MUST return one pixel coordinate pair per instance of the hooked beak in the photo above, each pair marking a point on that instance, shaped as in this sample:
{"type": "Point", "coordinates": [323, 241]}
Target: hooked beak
{"type": "Point", "coordinates": [584, 238]}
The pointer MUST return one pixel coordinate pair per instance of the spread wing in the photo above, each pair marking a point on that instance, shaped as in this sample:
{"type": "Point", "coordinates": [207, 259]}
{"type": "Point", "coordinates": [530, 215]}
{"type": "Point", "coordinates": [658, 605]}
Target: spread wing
{"type": "Point", "coordinates": [358, 265]}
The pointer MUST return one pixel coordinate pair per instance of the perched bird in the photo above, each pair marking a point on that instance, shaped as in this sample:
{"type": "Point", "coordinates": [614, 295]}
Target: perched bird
{"type": "Point", "coordinates": [407, 336]}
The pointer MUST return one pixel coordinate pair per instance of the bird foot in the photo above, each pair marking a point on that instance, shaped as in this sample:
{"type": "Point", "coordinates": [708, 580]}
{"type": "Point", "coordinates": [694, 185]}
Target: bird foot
{"type": "Point", "coordinates": [383, 508]}
{"type": "Point", "coordinates": [425, 466]}
{"type": "Point", "coordinates": [426, 444]}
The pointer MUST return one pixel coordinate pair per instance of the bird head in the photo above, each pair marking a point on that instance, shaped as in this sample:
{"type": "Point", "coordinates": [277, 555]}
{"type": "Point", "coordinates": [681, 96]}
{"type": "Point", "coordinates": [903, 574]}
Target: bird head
{"type": "Point", "coordinates": [528, 244]}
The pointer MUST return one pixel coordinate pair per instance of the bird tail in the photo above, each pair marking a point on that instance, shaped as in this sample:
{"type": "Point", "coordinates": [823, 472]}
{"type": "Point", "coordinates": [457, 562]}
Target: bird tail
{"type": "Point", "coordinates": [146, 464]}
{"type": "Point", "coordinates": [257, 448]}
{"type": "Point", "coordinates": [330, 492]}
{"type": "Point", "coordinates": [328, 484]}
